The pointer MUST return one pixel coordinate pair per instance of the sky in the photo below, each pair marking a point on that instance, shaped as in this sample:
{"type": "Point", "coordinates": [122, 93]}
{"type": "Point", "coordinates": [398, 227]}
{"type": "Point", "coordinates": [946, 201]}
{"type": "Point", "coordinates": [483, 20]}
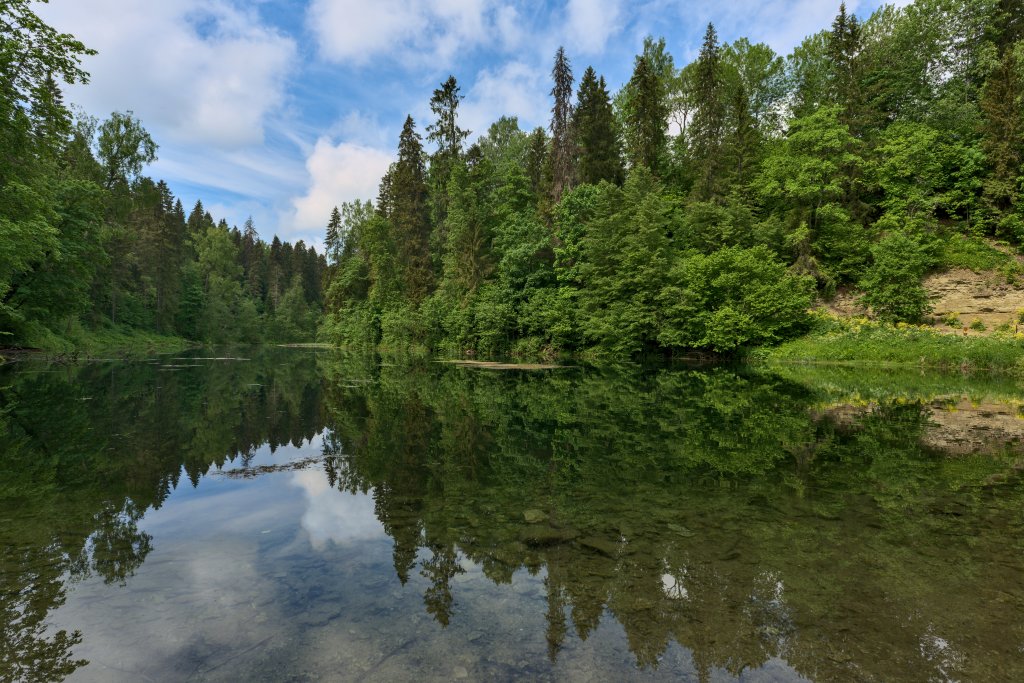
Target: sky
{"type": "Point", "coordinates": [282, 109]}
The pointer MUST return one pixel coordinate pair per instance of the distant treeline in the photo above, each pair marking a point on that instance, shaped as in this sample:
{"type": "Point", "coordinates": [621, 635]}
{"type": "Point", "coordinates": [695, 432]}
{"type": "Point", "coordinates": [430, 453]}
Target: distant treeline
{"type": "Point", "coordinates": [86, 241]}
{"type": "Point", "coordinates": [701, 207]}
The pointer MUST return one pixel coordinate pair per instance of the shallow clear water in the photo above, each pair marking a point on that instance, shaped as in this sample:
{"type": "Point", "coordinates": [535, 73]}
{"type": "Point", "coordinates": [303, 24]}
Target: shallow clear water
{"type": "Point", "coordinates": [296, 515]}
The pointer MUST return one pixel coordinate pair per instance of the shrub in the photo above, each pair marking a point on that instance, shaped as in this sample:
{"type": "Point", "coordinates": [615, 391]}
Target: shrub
{"type": "Point", "coordinates": [732, 298]}
{"type": "Point", "coordinates": [892, 284]}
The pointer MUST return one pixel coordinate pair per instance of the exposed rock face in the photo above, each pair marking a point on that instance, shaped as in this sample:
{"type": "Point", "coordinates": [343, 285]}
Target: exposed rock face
{"type": "Point", "coordinates": [974, 296]}
{"type": "Point", "coordinates": [961, 294]}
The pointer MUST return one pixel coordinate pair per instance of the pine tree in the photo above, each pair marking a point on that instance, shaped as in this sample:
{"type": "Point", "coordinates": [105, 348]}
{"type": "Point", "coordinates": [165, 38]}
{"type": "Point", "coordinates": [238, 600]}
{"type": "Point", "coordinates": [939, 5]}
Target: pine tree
{"type": "Point", "coordinates": [708, 127]}
{"type": "Point", "coordinates": [597, 139]}
{"type": "Point", "coordinates": [562, 160]}
{"type": "Point", "coordinates": [647, 117]}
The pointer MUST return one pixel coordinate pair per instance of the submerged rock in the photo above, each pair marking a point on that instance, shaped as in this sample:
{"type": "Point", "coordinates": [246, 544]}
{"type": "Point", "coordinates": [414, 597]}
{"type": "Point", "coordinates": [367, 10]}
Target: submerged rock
{"type": "Point", "coordinates": [534, 516]}
{"type": "Point", "coordinates": [546, 535]}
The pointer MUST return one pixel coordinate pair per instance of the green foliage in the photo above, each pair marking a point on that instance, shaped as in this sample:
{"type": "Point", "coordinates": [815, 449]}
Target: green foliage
{"type": "Point", "coordinates": [625, 259]}
{"type": "Point", "coordinates": [87, 243]}
{"type": "Point", "coordinates": [731, 298]}
{"type": "Point", "coordinates": [892, 284]}
{"type": "Point", "coordinates": [973, 253]}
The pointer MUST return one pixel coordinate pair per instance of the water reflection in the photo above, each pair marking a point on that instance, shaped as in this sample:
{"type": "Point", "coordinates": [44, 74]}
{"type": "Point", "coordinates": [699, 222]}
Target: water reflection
{"type": "Point", "coordinates": [711, 523]}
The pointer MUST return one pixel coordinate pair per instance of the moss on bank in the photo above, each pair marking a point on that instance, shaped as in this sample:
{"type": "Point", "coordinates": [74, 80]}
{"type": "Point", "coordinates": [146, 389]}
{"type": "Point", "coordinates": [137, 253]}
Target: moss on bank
{"type": "Point", "coordinates": [861, 341]}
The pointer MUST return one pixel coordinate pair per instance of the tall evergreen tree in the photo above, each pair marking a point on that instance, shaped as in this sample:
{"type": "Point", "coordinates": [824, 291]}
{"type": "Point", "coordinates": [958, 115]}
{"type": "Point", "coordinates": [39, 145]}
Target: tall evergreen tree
{"type": "Point", "coordinates": [334, 241]}
{"type": "Point", "coordinates": [843, 50]}
{"type": "Point", "coordinates": [446, 134]}
{"type": "Point", "coordinates": [1002, 104]}
{"type": "Point", "coordinates": [647, 118]}
{"type": "Point", "coordinates": [537, 161]}
{"type": "Point", "coordinates": [410, 214]}
{"type": "Point", "coordinates": [708, 127]}
{"type": "Point", "coordinates": [600, 154]}
{"type": "Point", "coordinates": [563, 152]}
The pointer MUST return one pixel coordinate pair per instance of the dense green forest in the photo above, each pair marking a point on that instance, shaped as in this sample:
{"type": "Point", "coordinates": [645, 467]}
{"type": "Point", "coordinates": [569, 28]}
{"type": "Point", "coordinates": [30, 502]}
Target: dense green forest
{"type": "Point", "coordinates": [703, 206]}
{"type": "Point", "coordinates": [698, 207]}
{"type": "Point", "coordinates": [87, 242]}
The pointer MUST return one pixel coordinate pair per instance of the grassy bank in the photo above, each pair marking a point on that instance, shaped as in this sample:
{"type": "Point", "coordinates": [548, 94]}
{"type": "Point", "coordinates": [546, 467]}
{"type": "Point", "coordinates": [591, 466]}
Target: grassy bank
{"type": "Point", "coordinates": [109, 341]}
{"type": "Point", "coordinates": [859, 341]}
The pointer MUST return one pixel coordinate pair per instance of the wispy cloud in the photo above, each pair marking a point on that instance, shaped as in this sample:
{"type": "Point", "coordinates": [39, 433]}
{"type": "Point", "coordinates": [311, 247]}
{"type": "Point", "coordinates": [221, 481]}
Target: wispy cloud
{"type": "Point", "coordinates": [199, 71]}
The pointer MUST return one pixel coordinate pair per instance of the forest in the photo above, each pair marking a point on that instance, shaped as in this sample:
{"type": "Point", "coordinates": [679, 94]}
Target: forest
{"type": "Point", "coordinates": [702, 207]}
{"type": "Point", "coordinates": [88, 243]}
{"type": "Point", "coordinates": [706, 206]}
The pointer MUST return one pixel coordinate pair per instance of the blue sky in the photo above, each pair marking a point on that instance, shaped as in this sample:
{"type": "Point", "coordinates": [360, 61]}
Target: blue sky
{"type": "Point", "coordinates": [281, 109]}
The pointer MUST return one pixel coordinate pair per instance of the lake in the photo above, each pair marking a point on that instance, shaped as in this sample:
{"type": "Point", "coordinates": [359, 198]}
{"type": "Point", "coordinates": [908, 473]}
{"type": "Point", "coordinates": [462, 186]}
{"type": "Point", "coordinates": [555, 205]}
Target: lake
{"type": "Point", "coordinates": [293, 515]}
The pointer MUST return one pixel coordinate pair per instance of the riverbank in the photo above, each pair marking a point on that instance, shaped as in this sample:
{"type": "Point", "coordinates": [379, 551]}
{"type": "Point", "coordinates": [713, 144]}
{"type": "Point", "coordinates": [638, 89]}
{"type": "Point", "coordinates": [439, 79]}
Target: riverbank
{"type": "Point", "coordinates": [835, 340]}
{"type": "Point", "coordinates": [81, 343]}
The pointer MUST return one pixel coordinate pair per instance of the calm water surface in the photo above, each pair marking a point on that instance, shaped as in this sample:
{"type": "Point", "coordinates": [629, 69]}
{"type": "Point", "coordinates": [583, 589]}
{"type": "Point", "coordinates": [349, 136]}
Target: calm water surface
{"type": "Point", "coordinates": [298, 516]}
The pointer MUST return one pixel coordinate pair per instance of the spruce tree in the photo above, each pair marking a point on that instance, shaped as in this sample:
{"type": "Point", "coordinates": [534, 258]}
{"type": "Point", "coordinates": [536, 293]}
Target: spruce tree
{"type": "Point", "coordinates": [1002, 104]}
{"type": "Point", "coordinates": [446, 134]}
{"type": "Point", "coordinates": [597, 139]}
{"type": "Point", "coordinates": [537, 161]}
{"type": "Point", "coordinates": [334, 241]}
{"type": "Point", "coordinates": [410, 214]}
{"type": "Point", "coordinates": [563, 151]}
{"type": "Point", "coordinates": [843, 50]}
{"type": "Point", "coordinates": [708, 127]}
{"type": "Point", "coordinates": [647, 117]}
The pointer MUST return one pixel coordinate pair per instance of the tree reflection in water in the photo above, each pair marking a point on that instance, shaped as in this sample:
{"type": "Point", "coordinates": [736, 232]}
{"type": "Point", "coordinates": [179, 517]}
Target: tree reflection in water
{"type": "Point", "coordinates": [746, 517]}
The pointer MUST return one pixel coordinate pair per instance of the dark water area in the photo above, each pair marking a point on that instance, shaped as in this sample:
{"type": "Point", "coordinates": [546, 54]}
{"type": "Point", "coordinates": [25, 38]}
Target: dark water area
{"type": "Point", "coordinates": [299, 515]}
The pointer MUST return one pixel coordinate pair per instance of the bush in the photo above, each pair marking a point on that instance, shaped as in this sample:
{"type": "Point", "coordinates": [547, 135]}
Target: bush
{"type": "Point", "coordinates": [732, 298]}
{"type": "Point", "coordinates": [892, 284]}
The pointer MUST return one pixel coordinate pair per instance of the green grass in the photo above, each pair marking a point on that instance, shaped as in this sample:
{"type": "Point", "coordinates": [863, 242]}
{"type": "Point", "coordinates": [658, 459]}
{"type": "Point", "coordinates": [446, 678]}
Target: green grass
{"type": "Point", "coordinates": [974, 253]}
{"type": "Point", "coordinates": [104, 341]}
{"type": "Point", "coordinates": [859, 341]}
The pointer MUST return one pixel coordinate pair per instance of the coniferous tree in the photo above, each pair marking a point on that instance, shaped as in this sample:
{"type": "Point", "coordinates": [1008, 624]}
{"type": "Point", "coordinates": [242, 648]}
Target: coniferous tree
{"type": "Point", "coordinates": [537, 161]}
{"type": "Point", "coordinates": [600, 156]}
{"type": "Point", "coordinates": [1002, 104]}
{"type": "Point", "coordinates": [563, 148]}
{"type": "Point", "coordinates": [843, 50]}
{"type": "Point", "coordinates": [334, 241]}
{"type": "Point", "coordinates": [409, 214]}
{"type": "Point", "coordinates": [446, 134]}
{"type": "Point", "coordinates": [647, 117]}
{"type": "Point", "coordinates": [708, 127]}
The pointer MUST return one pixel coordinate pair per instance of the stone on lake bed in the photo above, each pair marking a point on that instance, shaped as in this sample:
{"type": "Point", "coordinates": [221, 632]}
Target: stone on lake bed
{"type": "Point", "coordinates": [546, 535]}
{"type": "Point", "coordinates": [601, 545]}
{"type": "Point", "coordinates": [534, 516]}
{"type": "Point", "coordinates": [681, 530]}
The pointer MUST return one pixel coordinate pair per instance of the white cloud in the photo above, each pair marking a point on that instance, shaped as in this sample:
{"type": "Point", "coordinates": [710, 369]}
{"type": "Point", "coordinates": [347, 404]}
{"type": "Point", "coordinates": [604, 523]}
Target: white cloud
{"type": "Point", "coordinates": [197, 71]}
{"type": "Point", "coordinates": [515, 89]}
{"type": "Point", "coordinates": [510, 27]}
{"type": "Point", "coordinates": [337, 173]}
{"type": "Point", "coordinates": [414, 32]}
{"type": "Point", "coordinates": [590, 23]}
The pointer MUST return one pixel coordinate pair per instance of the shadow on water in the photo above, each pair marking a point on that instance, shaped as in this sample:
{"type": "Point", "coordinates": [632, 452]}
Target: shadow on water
{"type": "Point", "coordinates": [807, 525]}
